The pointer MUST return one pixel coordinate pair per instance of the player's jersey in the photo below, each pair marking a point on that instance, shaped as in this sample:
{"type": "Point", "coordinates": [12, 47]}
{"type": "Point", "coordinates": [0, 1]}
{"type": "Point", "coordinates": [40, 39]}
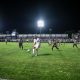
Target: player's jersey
{"type": "Point", "coordinates": [37, 43]}
{"type": "Point", "coordinates": [75, 41]}
{"type": "Point", "coordinates": [20, 41]}
{"type": "Point", "coordinates": [35, 40]}
{"type": "Point", "coordinates": [5, 40]}
{"type": "Point", "coordinates": [55, 43]}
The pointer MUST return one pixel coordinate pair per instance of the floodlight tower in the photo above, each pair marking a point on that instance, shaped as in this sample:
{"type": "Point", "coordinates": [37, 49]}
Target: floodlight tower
{"type": "Point", "coordinates": [40, 24]}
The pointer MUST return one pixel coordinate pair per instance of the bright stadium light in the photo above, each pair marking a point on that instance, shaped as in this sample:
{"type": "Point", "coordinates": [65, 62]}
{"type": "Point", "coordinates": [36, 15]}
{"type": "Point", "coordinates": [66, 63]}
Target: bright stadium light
{"type": "Point", "coordinates": [40, 24]}
{"type": "Point", "coordinates": [13, 33]}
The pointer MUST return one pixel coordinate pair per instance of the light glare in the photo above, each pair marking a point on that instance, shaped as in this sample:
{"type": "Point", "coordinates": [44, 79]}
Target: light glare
{"type": "Point", "coordinates": [40, 23]}
{"type": "Point", "coordinates": [13, 33]}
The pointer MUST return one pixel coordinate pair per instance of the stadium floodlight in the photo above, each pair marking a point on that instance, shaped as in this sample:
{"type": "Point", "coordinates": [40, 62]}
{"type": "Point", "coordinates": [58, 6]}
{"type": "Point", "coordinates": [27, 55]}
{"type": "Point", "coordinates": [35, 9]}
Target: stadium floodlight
{"type": "Point", "coordinates": [13, 33]}
{"type": "Point", "coordinates": [40, 24]}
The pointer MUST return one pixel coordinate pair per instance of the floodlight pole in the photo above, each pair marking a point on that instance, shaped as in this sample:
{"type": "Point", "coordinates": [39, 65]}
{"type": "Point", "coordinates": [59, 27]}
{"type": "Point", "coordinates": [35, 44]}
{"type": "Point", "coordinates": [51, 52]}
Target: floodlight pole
{"type": "Point", "coordinates": [40, 24]}
{"type": "Point", "coordinates": [40, 32]}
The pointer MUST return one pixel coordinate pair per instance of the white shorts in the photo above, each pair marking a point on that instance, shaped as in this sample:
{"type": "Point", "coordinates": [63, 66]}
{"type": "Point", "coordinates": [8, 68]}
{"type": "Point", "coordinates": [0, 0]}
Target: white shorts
{"type": "Point", "coordinates": [36, 46]}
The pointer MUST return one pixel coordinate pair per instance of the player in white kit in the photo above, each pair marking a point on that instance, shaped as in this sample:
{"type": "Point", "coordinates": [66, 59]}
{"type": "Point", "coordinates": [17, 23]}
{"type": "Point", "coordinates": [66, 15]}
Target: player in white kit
{"type": "Point", "coordinates": [36, 46]}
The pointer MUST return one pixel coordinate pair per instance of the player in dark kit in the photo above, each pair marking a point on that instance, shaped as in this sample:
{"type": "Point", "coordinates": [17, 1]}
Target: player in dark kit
{"type": "Point", "coordinates": [21, 43]}
{"type": "Point", "coordinates": [55, 44]}
{"type": "Point", "coordinates": [75, 43]}
{"type": "Point", "coordinates": [6, 41]}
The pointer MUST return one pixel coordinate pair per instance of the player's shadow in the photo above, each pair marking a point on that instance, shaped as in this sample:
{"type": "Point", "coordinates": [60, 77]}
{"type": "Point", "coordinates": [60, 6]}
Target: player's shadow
{"type": "Point", "coordinates": [45, 54]}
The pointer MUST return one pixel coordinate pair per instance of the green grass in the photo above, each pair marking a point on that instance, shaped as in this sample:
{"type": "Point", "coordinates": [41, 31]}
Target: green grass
{"type": "Point", "coordinates": [16, 64]}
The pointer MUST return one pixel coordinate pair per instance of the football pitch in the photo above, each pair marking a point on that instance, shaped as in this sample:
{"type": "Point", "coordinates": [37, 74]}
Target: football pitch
{"type": "Point", "coordinates": [17, 64]}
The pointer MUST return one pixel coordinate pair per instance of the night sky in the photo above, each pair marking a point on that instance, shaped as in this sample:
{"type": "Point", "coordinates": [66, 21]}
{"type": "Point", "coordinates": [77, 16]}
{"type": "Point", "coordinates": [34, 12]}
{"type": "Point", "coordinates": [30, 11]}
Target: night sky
{"type": "Point", "coordinates": [22, 15]}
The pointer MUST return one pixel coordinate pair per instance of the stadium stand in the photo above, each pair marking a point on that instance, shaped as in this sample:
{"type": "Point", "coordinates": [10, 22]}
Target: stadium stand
{"type": "Point", "coordinates": [29, 37]}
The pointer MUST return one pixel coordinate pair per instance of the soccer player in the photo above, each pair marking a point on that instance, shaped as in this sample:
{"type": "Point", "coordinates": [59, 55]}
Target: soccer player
{"type": "Point", "coordinates": [75, 43]}
{"type": "Point", "coordinates": [36, 46]}
{"type": "Point", "coordinates": [55, 44]}
{"type": "Point", "coordinates": [21, 43]}
{"type": "Point", "coordinates": [6, 41]}
{"type": "Point", "coordinates": [27, 40]}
